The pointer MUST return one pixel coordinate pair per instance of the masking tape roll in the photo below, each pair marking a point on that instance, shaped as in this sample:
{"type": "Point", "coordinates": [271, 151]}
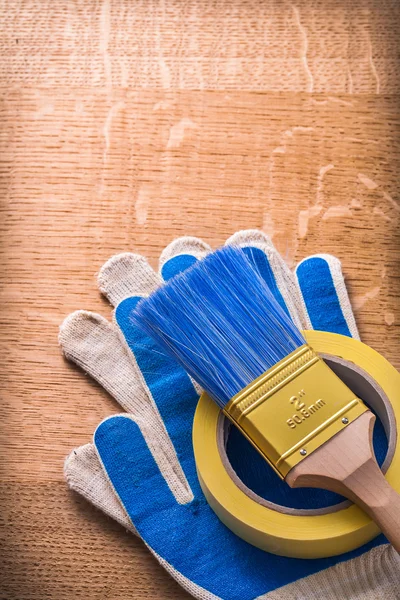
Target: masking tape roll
{"type": "Point", "coordinates": [286, 531]}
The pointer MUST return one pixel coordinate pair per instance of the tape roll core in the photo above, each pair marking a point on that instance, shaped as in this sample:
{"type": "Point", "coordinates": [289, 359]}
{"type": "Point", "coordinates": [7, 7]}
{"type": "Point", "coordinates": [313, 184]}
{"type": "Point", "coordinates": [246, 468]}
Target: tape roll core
{"type": "Point", "coordinates": [301, 533]}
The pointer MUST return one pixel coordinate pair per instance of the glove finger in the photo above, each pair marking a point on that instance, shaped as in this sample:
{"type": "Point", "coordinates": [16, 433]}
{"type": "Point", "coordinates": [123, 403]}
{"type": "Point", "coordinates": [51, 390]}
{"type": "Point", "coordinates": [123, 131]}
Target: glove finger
{"type": "Point", "coordinates": [127, 275]}
{"type": "Point", "coordinates": [85, 475]}
{"type": "Point", "coordinates": [178, 256]}
{"type": "Point", "coordinates": [181, 254]}
{"type": "Point", "coordinates": [164, 382]}
{"type": "Point", "coordinates": [325, 296]}
{"type": "Point", "coordinates": [94, 344]}
{"type": "Point", "coordinates": [168, 384]}
{"type": "Point", "coordinates": [190, 538]}
{"type": "Point", "coordinates": [133, 468]}
{"type": "Point", "coordinates": [273, 269]}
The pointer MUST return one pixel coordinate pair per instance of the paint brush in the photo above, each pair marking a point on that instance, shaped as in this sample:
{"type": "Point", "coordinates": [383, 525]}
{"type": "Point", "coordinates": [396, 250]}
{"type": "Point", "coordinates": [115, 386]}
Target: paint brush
{"type": "Point", "coordinates": [220, 320]}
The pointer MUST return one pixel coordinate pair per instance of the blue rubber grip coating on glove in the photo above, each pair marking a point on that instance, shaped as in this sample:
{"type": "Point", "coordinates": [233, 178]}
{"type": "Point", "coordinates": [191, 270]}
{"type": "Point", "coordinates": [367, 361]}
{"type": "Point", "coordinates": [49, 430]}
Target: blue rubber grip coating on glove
{"type": "Point", "coordinates": [177, 265]}
{"type": "Point", "coordinates": [190, 537]}
{"type": "Point", "coordinates": [320, 296]}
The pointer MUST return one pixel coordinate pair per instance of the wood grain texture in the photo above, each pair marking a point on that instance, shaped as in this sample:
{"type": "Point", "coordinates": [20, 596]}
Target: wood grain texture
{"type": "Point", "coordinates": [359, 478]}
{"type": "Point", "coordinates": [126, 124]}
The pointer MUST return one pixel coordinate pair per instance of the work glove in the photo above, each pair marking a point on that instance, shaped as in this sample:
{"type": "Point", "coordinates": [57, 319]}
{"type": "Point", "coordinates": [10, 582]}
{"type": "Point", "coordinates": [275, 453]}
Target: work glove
{"type": "Point", "coordinates": [141, 468]}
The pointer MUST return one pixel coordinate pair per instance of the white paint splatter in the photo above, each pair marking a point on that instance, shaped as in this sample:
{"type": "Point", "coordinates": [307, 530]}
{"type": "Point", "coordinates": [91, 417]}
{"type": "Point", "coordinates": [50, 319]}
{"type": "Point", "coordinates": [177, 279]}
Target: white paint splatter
{"type": "Point", "coordinates": [165, 73]}
{"type": "Point", "coordinates": [268, 225]}
{"type": "Point", "coordinates": [318, 102]}
{"type": "Point", "coordinates": [340, 101]}
{"type": "Point", "coordinates": [164, 70]}
{"type": "Point", "coordinates": [359, 301]}
{"type": "Point", "coordinates": [361, 140]}
{"type": "Point", "coordinates": [46, 108]}
{"type": "Point", "coordinates": [391, 201]}
{"type": "Point", "coordinates": [107, 125]}
{"type": "Point", "coordinates": [177, 132]}
{"type": "Point", "coordinates": [372, 64]}
{"type": "Point", "coordinates": [104, 38]}
{"type": "Point", "coordinates": [350, 80]}
{"type": "Point", "coordinates": [281, 149]}
{"type": "Point", "coordinates": [377, 211]}
{"type": "Point", "coordinates": [369, 183]}
{"type": "Point", "coordinates": [142, 205]}
{"type": "Point", "coordinates": [304, 49]}
{"type": "Point", "coordinates": [389, 318]}
{"type": "Point", "coordinates": [79, 107]}
{"type": "Point", "coordinates": [337, 211]}
{"type": "Point", "coordinates": [320, 182]}
{"type": "Point", "coordinates": [290, 132]}
{"type": "Point", "coordinates": [355, 203]}
{"type": "Point", "coordinates": [106, 133]}
{"type": "Point", "coordinates": [162, 105]}
{"type": "Point", "coordinates": [305, 216]}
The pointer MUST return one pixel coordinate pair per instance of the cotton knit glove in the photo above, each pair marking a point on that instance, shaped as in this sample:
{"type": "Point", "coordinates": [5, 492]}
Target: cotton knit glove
{"type": "Point", "coordinates": [148, 456]}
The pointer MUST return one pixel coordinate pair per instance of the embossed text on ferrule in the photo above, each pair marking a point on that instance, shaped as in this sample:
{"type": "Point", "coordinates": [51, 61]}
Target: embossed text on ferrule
{"type": "Point", "coordinates": [303, 410]}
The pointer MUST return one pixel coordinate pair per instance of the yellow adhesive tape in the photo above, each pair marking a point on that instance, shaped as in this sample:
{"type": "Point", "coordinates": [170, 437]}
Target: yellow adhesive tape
{"type": "Point", "coordinates": [290, 532]}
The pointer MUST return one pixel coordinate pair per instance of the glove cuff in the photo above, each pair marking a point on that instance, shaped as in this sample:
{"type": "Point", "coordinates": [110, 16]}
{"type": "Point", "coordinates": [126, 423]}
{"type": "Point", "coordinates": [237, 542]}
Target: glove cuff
{"type": "Point", "coordinates": [374, 575]}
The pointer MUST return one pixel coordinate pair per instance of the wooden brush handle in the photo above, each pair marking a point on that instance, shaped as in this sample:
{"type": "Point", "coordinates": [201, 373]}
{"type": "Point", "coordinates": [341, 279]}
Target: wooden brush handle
{"type": "Point", "coordinates": [346, 465]}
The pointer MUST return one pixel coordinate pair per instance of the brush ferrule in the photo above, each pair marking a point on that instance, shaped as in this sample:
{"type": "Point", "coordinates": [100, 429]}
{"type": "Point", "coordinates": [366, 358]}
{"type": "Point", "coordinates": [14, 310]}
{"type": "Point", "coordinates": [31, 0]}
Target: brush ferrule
{"type": "Point", "coordinates": [293, 408]}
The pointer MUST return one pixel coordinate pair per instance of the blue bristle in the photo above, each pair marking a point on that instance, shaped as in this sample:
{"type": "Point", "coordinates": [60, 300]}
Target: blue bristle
{"type": "Point", "coordinates": [221, 322]}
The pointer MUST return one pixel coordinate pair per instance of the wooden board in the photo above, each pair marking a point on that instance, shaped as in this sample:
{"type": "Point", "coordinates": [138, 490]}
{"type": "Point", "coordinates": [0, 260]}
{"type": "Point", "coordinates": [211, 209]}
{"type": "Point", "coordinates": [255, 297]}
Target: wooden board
{"type": "Point", "coordinates": [127, 124]}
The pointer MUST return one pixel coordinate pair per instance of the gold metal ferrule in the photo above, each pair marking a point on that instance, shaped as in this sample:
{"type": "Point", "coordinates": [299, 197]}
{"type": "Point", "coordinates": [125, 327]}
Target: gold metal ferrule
{"type": "Point", "coordinates": [293, 408]}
